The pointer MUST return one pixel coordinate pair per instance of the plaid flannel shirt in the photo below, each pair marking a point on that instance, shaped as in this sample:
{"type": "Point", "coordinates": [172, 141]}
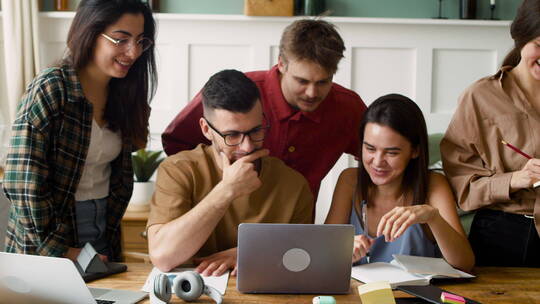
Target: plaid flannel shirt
{"type": "Point", "coordinates": [49, 144]}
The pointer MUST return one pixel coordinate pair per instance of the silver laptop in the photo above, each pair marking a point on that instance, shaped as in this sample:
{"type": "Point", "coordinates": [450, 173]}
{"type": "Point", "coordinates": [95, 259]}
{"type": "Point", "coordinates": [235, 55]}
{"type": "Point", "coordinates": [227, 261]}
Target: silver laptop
{"type": "Point", "coordinates": [294, 258]}
{"type": "Point", "coordinates": [37, 279]}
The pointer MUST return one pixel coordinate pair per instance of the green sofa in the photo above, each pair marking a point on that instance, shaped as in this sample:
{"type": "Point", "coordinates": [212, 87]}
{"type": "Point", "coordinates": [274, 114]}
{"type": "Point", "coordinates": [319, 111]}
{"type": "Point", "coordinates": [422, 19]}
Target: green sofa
{"type": "Point", "coordinates": [435, 163]}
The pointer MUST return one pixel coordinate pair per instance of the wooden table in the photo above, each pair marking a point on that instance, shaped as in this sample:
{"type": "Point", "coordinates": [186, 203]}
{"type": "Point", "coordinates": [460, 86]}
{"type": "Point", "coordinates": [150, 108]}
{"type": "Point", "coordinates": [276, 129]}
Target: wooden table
{"type": "Point", "coordinates": [492, 285]}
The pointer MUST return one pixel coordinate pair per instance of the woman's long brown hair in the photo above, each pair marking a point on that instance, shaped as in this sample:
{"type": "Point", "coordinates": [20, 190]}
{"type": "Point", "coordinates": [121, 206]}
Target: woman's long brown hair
{"type": "Point", "coordinates": [127, 106]}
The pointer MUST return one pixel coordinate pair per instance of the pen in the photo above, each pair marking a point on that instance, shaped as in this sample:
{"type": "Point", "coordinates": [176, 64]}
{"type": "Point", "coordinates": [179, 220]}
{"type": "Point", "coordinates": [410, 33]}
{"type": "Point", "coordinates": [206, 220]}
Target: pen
{"type": "Point", "coordinates": [522, 153]}
{"type": "Point", "coordinates": [516, 149]}
{"type": "Point", "coordinates": [364, 220]}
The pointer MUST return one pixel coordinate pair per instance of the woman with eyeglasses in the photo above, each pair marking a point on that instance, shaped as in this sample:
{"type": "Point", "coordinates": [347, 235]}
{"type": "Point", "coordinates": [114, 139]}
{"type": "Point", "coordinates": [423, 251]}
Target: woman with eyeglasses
{"type": "Point", "coordinates": [68, 172]}
{"type": "Point", "coordinates": [395, 203]}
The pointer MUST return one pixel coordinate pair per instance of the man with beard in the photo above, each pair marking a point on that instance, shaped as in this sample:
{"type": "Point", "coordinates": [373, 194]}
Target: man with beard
{"type": "Point", "coordinates": [202, 195]}
{"type": "Point", "coordinates": [314, 121]}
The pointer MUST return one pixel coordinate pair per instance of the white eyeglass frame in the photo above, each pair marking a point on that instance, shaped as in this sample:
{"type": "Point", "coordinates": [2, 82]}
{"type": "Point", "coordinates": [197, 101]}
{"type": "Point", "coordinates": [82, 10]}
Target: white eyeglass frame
{"type": "Point", "coordinates": [116, 42]}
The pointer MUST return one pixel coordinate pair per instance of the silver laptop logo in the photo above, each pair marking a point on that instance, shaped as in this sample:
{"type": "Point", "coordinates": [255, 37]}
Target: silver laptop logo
{"type": "Point", "coordinates": [296, 259]}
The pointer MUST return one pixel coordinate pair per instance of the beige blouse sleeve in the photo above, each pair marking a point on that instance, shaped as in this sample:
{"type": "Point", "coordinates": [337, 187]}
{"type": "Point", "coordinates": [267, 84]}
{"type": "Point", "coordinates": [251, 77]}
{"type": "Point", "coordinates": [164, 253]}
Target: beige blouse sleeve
{"type": "Point", "coordinates": [468, 152]}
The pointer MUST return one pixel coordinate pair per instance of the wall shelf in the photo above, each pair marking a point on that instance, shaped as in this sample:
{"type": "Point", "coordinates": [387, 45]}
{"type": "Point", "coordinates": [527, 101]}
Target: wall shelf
{"type": "Point", "coordinates": [215, 17]}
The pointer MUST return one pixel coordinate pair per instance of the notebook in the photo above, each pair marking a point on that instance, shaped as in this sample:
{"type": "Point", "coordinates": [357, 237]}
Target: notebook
{"type": "Point", "coordinates": [407, 270]}
{"type": "Point", "coordinates": [47, 280]}
{"type": "Point", "coordinates": [294, 258]}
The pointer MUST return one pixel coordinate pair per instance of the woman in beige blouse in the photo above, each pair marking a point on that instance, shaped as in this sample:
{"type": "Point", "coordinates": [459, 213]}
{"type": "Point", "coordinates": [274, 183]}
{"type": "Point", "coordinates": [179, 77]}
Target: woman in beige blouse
{"type": "Point", "coordinates": [487, 175]}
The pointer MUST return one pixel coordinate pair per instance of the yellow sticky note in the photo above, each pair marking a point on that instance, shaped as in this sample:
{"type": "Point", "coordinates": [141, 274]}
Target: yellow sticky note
{"type": "Point", "coordinates": [376, 293]}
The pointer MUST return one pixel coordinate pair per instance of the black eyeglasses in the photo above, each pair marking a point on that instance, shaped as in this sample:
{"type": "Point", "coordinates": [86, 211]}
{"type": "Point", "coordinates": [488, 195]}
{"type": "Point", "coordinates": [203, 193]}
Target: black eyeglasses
{"type": "Point", "coordinates": [235, 138]}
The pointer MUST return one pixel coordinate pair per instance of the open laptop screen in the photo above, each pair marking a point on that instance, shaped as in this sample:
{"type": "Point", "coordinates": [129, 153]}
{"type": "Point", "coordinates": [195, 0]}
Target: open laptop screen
{"type": "Point", "coordinates": [50, 280]}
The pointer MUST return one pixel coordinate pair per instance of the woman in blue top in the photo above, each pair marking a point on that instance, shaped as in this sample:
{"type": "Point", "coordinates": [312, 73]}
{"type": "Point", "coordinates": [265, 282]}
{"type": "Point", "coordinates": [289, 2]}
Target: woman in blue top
{"type": "Point", "coordinates": [395, 203]}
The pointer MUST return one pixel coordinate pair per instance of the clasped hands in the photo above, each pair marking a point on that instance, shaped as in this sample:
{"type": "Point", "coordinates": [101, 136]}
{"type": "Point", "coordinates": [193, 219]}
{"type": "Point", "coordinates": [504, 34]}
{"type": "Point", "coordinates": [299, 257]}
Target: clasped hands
{"type": "Point", "coordinates": [392, 225]}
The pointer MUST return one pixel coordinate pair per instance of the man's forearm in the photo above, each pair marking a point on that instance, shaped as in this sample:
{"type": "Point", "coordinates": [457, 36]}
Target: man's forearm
{"type": "Point", "coordinates": [174, 243]}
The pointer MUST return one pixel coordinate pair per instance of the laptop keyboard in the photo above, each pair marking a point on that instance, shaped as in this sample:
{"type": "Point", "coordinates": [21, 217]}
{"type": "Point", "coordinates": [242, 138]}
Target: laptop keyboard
{"type": "Point", "coordinates": [104, 302]}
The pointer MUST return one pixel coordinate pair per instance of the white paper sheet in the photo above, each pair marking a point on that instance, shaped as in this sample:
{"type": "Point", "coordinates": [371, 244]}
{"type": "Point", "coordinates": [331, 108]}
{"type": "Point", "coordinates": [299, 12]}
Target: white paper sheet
{"type": "Point", "coordinates": [219, 283]}
{"type": "Point", "coordinates": [435, 267]}
{"type": "Point", "coordinates": [375, 272]}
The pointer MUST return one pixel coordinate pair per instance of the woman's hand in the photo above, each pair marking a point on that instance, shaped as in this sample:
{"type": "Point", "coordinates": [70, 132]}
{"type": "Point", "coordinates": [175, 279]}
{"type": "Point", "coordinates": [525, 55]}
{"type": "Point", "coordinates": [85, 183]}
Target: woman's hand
{"type": "Point", "coordinates": [396, 221]}
{"type": "Point", "coordinates": [361, 247]}
{"type": "Point", "coordinates": [217, 263]}
{"type": "Point", "coordinates": [526, 177]}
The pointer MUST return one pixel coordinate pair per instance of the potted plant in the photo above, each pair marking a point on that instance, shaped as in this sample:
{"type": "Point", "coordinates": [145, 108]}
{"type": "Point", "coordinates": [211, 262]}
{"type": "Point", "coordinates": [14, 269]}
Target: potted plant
{"type": "Point", "coordinates": [145, 163]}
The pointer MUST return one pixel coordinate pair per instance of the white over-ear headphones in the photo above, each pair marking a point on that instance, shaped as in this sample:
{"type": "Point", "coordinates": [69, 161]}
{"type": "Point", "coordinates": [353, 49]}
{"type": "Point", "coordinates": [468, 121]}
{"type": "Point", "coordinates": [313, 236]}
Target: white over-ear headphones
{"type": "Point", "coordinates": [188, 286]}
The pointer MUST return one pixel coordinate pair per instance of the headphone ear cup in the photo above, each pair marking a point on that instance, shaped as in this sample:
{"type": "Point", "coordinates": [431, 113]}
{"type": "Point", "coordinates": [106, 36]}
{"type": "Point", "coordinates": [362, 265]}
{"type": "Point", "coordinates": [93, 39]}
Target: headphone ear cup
{"type": "Point", "coordinates": [162, 287]}
{"type": "Point", "coordinates": [188, 285]}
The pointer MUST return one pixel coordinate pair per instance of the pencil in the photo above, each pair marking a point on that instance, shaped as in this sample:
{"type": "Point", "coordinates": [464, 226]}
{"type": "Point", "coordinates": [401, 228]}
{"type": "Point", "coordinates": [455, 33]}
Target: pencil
{"type": "Point", "coordinates": [516, 149]}
{"type": "Point", "coordinates": [537, 184]}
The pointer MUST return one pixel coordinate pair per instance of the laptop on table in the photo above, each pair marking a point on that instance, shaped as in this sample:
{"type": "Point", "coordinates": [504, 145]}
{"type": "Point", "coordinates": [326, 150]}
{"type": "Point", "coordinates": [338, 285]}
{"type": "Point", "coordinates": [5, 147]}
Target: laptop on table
{"type": "Point", "coordinates": [294, 258]}
{"type": "Point", "coordinates": [38, 279]}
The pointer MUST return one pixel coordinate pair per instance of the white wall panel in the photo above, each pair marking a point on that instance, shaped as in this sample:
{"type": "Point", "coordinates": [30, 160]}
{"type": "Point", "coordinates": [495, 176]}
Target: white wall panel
{"type": "Point", "coordinates": [379, 71]}
{"type": "Point", "coordinates": [170, 60]}
{"type": "Point", "coordinates": [53, 35]}
{"type": "Point", "coordinates": [453, 71]}
{"type": "Point", "coordinates": [51, 52]}
{"type": "Point", "coordinates": [206, 60]}
{"type": "Point", "coordinates": [172, 91]}
{"type": "Point", "coordinates": [274, 54]}
{"type": "Point", "coordinates": [343, 75]}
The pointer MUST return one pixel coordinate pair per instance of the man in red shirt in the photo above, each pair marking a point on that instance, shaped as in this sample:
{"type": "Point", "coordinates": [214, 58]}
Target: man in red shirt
{"type": "Point", "coordinates": [313, 121]}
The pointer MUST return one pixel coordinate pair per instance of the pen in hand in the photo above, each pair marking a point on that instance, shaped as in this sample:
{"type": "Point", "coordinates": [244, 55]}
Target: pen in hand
{"type": "Point", "coordinates": [522, 153]}
{"type": "Point", "coordinates": [366, 228]}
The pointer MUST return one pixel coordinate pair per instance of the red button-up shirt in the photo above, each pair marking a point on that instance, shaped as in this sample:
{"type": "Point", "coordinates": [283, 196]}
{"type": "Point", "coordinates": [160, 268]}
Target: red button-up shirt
{"type": "Point", "coordinates": [309, 142]}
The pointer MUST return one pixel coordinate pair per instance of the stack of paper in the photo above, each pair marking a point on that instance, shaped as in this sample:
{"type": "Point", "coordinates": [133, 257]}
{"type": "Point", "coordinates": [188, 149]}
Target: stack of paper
{"type": "Point", "coordinates": [429, 267]}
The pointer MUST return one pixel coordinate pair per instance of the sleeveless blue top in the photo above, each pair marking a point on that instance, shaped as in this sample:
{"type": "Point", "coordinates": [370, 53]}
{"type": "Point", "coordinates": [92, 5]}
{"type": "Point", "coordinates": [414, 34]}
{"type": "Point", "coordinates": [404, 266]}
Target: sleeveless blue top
{"type": "Point", "coordinates": [412, 242]}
